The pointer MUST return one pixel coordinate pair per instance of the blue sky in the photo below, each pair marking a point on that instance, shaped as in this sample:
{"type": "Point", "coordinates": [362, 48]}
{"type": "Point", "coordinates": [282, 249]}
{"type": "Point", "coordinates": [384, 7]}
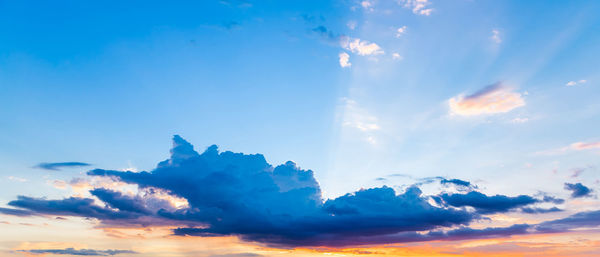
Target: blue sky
{"type": "Point", "coordinates": [110, 83]}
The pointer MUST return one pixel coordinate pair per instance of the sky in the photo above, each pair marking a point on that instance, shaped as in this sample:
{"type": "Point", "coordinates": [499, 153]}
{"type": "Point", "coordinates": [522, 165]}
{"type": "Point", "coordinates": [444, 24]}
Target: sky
{"type": "Point", "coordinates": [240, 128]}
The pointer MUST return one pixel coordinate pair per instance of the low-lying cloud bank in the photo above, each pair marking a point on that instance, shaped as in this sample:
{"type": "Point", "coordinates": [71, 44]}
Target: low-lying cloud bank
{"type": "Point", "coordinates": [80, 252]}
{"type": "Point", "coordinates": [242, 195]}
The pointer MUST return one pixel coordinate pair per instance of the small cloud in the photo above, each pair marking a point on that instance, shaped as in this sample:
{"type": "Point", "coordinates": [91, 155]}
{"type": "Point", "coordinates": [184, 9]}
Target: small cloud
{"type": "Point", "coordinates": [345, 60]}
{"type": "Point", "coordinates": [418, 7]}
{"type": "Point", "coordinates": [575, 83]}
{"type": "Point", "coordinates": [59, 184]}
{"type": "Point", "coordinates": [351, 25]}
{"type": "Point", "coordinates": [578, 190]}
{"type": "Point", "coordinates": [59, 165]}
{"type": "Point", "coordinates": [577, 146]}
{"type": "Point", "coordinates": [496, 36]}
{"type": "Point", "coordinates": [367, 5]}
{"type": "Point", "coordinates": [585, 145]}
{"type": "Point", "coordinates": [18, 179]}
{"type": "Point", "coordinates": [493, 99]}
{"type": "Point", "coordinates": [397, 56]}
{"type": "Point", "coordinates": [360, 47]}
{"type": "Point", "coordinates": [400, 31]}
{"type": "Point", "coordinates": [519, 120]}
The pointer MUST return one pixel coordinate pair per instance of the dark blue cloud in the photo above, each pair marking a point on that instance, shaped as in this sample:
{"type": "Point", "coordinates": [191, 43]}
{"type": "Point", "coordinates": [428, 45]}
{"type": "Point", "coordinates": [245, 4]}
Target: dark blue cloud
{"type": "Point", "coordinates": [72, 206]}
{"type": "Point", "coordinates": [578, 190]}
{"type": "Point", "coordinates": [59, 165]}
{"type": "Point", "coordinates": [16, 212]}
{"type": "Point", "coordinates": [536, 210]}
{"type": "Point", "coordinates": [80, 252]}
{"type": "Point", "coordinates": [587, 219]}
{"type": "Point", "coordinates": [457, 182]}
{"type": "Point", "coordinates": [235, 194]}
{"type": "Point", "coordinates": [487, 204]}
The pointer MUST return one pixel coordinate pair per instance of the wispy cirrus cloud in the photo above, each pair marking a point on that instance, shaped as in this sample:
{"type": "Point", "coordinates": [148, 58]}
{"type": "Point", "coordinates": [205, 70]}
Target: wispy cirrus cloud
{"type": "Point", "coordinates": [493, 99]}
{"type": "Point", "coordinates": [60, 165]}
{"type": "Point", "coordinates": [577, 146]}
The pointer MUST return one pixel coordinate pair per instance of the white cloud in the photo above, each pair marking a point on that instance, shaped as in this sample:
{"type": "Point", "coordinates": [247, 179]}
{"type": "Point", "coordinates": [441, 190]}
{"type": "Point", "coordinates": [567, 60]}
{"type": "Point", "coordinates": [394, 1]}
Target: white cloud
{"type": "Point", "coordinates": [418, 7]}
{"type": "Point", "coordinates": [400, 31]}
{"type": "Point", "coordinates": [368, 5]}
{"type": "Point", "coordinates": [360, 47]}
{"type": "Point", "coordinates": [496, 36]}
{"type": "Point", "coordinates": [519, 120]}
{"type": "Point", "coordinates": [397, 56]}
{"type": "Point", "coordinates": [345, 60]}
{"type": "Point", "coordinates": [17, 179]}
{"type": "Point", "coordinates": [493, 99]}
{"type": "Point", "coordinates": [574, 83]}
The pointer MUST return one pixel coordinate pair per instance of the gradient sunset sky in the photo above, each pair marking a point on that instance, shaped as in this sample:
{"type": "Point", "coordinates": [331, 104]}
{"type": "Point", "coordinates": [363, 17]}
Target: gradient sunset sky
{"type": "Point", "coordinates": [240, 128]}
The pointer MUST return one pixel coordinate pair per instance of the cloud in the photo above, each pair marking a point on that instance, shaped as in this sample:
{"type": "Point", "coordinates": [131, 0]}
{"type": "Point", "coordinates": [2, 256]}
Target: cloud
{"type": "Point", "coordinates": [496, 36]}
{"type": "Point", "coordinates": [575, 83]}
{"type": "Point", "coordinates": [345, 60]}
{"type": "Point", "coordinates": [575, 221]}
{"type": "Point", "coordinates": [367, 5]}
{"type": "Point", "coordinates": [59, 165]}
{"type": "Point", "coordinates": [16, 212]}
{"type": "Point", "coordinates": [80, 252]}
{"type": "Point", "coordinates": [487, 204]}
{"type": "Point", "coordinates": [585, 145]}
{"type": "Point", "coordinates": [396, 56]}
{"type": "Point", "coordinates": [351, 25]}
{"type": "Point", "coordinates": [577, 146]}
{"type": "Point", "coordinates": [235, 194]}
{"type": "Point", "coordinates": [493, 99]}
{"type": "Point", "coordinates": [360, 47]}
{"type": "Point", "coordinates": [400, 31]}
{"type": "Point", "coordinates": [578, 190]}
{"type": "Point", "coordinates": [18, 179]}
{"type": "Point", "coordinates": [418, 7]}
{"type": "Point", "coordinates": [537, 210]}
{"type": "Point", "coordinates": [237, 255]}
{"type": "Point", "coordinates": [457, 182]}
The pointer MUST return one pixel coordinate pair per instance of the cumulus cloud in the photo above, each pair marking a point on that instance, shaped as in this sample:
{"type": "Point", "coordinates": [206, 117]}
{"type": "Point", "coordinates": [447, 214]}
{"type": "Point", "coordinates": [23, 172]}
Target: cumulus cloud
{"type": "Point", "coordinates": [493, 99]}
{"type": "Point", "coordinates": [396, 56]}
{"type": "Point", "coordinates": [575, 83]}
{"type": "Point", "coordinates": [578, 190]}
{"type": "Point", "coordinates": [78, 252]}
{"type": "Point", "coordinates": [419, 7]}
{"type": "Point", "coordinates": [60, 165]}
{"type": "Point", "coordinates": [235, 194]}
{"type": "Point", "coordinates": [360, 47]}
{"type": "Point", "coordinates": [344, 60]}
{"type": "Point", "coordinates": [400, 31]}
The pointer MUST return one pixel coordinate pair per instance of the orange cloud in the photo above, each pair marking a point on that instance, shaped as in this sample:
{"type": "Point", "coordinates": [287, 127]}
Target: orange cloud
{"type": "Point", "coordinates": [492, 99]}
